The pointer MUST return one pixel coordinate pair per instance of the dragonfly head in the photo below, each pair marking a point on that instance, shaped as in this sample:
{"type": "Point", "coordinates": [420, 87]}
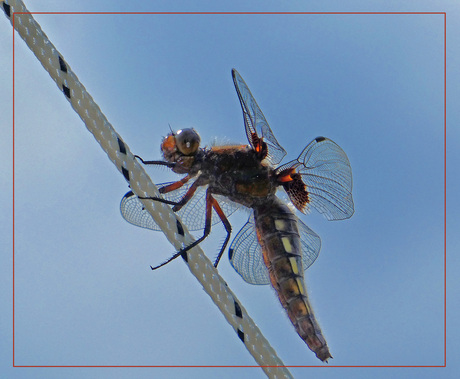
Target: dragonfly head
{"type": "Point", "coordinates": [184, 142]}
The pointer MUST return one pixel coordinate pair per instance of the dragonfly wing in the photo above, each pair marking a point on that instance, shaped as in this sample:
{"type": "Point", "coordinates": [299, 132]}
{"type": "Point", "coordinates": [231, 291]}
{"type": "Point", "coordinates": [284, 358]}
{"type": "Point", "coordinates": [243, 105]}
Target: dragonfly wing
{"type": "Point", "coordinates": [134, 212]}
{"type": "Point", "coordinates": [255, 122]}
{"type": "Point", "coordinates": [326, 174]}
{"type": "Point", "coordinates": [192, 214]}
{"type": "Point", "coordinates": [310, 243]}
{"type": "Point", "coordinates": [245, 255]}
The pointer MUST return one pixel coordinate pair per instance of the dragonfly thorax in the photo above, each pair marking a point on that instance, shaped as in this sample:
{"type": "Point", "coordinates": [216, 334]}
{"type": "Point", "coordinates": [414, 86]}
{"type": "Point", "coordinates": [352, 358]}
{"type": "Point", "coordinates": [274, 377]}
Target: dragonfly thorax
{"type": "Point", "coordinates": [237, 173]}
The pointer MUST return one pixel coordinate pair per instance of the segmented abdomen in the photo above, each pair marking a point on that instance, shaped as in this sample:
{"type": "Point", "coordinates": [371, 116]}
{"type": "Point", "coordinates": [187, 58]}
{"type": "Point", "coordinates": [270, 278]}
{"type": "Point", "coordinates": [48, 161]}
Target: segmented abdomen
{"type": "Point", "coordinates": [279, 238]}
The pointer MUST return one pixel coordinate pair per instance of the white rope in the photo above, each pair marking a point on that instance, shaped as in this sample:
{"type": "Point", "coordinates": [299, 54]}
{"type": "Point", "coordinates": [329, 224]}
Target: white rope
{"type": "Point", "coordinates": [119, 153]}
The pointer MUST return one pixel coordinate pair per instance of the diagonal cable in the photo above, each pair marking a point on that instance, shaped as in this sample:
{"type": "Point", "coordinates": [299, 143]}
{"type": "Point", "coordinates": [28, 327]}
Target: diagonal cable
{"type": "Point", "coordinates": [118, 152]}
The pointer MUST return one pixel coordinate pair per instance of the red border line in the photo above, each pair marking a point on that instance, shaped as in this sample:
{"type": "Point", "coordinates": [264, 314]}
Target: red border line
{"type": "Point", "coordinates": [252, 13]}
{"type": "Point", "coordinates": [228, 366]}
{"type": "Point", "coordinates": [228, 13]}
{"type": "Point", "coordinates": [445, 189]}
{"type": "Point", "coordinates": [12, 22]}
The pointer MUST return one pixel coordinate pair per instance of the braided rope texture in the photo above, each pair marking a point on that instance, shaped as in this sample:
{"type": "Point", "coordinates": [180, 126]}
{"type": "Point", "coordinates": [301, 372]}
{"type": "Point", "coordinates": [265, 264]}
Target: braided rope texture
{"type": "Point", "coordinates": [118, 152]}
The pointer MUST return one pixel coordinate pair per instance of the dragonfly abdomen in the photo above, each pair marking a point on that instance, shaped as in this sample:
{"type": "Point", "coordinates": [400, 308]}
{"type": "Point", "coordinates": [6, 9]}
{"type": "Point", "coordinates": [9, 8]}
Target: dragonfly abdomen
{"type": "Point", "coordinates": [279, 238]}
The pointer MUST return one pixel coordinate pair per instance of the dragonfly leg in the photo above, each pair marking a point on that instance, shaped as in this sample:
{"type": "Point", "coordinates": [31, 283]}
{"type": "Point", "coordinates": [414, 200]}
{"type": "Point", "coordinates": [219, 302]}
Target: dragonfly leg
{"type": "Point", "coordinates": [173, 186]}
{"type": "Point", "coordinates": [177, 204]}
{"type": "Point", "coordinates": [169, 260]}
{"type": "Point", "coordinates": [207, 229]}
{"type": "Point", "coordinates": [158, 163]}
{"type": "Point", "coordinates": [228, 229]}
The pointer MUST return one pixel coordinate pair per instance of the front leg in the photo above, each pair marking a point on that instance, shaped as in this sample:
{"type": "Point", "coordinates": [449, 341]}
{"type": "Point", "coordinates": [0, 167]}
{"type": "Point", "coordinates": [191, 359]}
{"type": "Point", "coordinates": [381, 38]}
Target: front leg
{"type": "Point", "coordinates": [158, 163]}
{"type": "Point", "coordinates": [177, 204]}
{"type": "Point", "coordinates": [210, 204]}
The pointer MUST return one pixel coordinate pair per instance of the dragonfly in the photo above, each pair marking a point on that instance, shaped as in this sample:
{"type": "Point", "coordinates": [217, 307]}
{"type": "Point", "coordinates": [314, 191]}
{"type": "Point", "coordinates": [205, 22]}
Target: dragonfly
{"type": "Point", "coordinates": [274, 246]}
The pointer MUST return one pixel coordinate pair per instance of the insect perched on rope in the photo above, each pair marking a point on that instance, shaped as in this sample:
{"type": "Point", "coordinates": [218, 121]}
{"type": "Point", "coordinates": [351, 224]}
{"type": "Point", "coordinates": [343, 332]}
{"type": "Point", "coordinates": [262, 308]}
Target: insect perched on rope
{"type": "Point", "coordinates": [274, 246]}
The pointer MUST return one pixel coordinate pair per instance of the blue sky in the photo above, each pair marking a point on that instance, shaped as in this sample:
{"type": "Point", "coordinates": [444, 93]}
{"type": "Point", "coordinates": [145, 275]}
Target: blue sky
{"type": "Point", "coordinates": [85, 294]}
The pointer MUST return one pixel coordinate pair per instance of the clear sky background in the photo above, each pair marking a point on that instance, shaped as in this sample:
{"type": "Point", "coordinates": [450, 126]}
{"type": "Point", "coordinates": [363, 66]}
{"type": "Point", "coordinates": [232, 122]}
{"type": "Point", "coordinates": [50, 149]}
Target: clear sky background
{"type": "Point", "coordinates": [374, 84]}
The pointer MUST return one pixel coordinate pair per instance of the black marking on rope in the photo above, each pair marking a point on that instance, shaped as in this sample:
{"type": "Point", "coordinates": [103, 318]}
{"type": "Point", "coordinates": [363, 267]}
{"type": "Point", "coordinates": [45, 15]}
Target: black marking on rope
{"type": "Point", "coordinates": [230, 254]}
{"type": "Point", "coordinates": [66, 91]}
{"type": "Point", "coordinates": [180, 229]}
{"type": "Point", "coordinates": [62, 64]}
{"type": "Point", "coordinates": [125, 173]}
{"type": "Point", "coordinates": [238, 311]}
{"type": "Point", "coordinates": [241, 335]}
{"type": "Point", "coordinates": [121, 145]}
{"type": "Point", "coordinates": [319, 139]}
{"type": "Point", "coordinates": [7, 9]}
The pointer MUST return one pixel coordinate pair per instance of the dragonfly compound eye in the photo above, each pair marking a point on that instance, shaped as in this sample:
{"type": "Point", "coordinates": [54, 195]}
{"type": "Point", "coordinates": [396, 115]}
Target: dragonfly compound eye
{"type": "Point", "coordinates": [187, 141]}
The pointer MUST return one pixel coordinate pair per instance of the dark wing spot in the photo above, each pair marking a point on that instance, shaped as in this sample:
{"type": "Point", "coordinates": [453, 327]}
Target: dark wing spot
{"type": "Point", "coordinates": [129, 194]}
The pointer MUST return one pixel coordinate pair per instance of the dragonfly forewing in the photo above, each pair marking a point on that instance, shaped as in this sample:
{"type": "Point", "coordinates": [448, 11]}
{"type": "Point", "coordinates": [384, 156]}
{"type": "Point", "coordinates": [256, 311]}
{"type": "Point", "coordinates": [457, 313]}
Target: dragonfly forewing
{"type": "Point", "coordinates": [192, 213]}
